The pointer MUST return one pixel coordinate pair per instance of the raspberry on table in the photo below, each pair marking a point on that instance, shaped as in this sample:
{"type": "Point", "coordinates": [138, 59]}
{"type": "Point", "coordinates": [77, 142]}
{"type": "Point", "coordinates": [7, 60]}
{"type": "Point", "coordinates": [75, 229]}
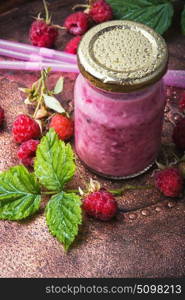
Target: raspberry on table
{"type": "Point", "coordinates": [100, 205]}
{"type": "Point", "coordinates": [27, 151]}
{"type": "Point", "coordinates": [63, 126]}
{"type": "Point", "coordinates": [1, 116]}
{"type": "Point", "coordinates": [178, 135]}
{"type": "Point", "coordinates": [101, 11]}
{"type": "Point", "coordinates": [25, 128]}
{"type": "Point", "coordinates": [42, 34]}
{"type": "Point", "coordinates": [72, 45]}
{"type": "Point", "coordinates": [77, 23]}
{"type": "Point", "coordinates": [169, 181]}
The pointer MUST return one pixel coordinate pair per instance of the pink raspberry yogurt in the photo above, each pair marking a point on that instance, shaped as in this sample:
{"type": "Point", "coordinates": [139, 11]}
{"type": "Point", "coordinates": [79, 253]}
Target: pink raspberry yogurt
{"type": "Point", "coordinates": [116, 134]}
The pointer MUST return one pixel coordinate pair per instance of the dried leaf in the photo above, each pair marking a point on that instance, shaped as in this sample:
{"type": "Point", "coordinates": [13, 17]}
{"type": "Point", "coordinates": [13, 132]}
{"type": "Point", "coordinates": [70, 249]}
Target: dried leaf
{"type": "Point", "coordinates": [52, 103]}
{"type": "Point", "coordinates": [59, 86]}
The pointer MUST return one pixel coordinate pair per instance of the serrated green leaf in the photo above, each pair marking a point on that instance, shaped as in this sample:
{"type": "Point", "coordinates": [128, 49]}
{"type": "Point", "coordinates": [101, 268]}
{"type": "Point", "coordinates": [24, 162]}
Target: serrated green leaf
{"type": "Point", "coordinates": [59, 86]}
{"type": "Point", "coordinates": [183, 21]}
{"type": "Point", "coordinates": [54, 164]}
{"type": "Point", "coordinates": [63, 216]}
{"type": "Point", "coordinates": [52, 103]}
{"type": "Point", "coordinates": [154, 13]}
{"type": "Point", "coordinates": [19, 194]}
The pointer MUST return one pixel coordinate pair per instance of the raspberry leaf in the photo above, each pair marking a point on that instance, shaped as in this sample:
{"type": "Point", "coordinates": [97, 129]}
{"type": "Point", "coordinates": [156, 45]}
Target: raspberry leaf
{"type": "Point", "coordinates": [183, 21]}
{"type": "Point", "coordinates": [63, 216]}
{"type": "Point", "coordinates": [19, 194]}
{"type": "Point", "coordinates": [154, 13]}
{"type": "Point", "coordinates": [54, 163]}
{"type": "Point", "coordinates": [52, 103]}
{"type": "Point", "coordinates": [59, 86]}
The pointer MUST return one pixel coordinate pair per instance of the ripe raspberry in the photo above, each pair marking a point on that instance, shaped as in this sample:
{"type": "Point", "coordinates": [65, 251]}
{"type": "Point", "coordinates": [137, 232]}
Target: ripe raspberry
{"type": "Point", "coordinates": [77, 23]}
{"type": "Point", "coordinates": [27, 152]}
{"type": "Point", "coordinates": [101, 11]}
{"type": "Point", "coordinates": [182, 102]}
{"type": "Point", "coordinates": [63, 126]}
{"type": "Point", "coordinates": [25, 128]}
{"type": "Point", "coordinates": [72, 45]}
{"type": "Point", "coordinates": [1, 116]}
{"type": "Point", "coordinates": [169, 182]}
{"type": "Point", "coordinates": [42, 34]}
{"type": "Point", "coordinates": [101, 205]}
{"type": "Point", "coordinates": [179, 134]}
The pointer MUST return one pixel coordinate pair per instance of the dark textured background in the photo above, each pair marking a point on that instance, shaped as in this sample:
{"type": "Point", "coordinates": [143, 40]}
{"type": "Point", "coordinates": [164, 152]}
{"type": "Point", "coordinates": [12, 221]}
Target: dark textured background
{"type": "Point", "coordinates": [147, 239]}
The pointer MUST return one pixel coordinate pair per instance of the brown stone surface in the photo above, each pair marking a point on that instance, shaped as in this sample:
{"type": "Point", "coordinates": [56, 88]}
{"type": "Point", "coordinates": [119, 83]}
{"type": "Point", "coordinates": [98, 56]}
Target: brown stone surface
{"type": "Point", "coordinates": [147, 239]}
{"type": "Point", "coordinates": [10, 4]}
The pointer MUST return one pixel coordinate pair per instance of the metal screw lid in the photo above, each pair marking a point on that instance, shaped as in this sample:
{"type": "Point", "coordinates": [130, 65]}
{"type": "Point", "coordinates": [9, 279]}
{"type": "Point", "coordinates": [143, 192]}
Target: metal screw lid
{"type": "Point", "coordinates": [122, 56]}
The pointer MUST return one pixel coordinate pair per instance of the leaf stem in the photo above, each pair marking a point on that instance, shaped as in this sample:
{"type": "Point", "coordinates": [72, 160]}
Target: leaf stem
{"type": "Point", "coordinates": [42, 89]}
{"type": "Point", "coordinates": [38, 85]}
{"type": "Point", "coordinates": [49, 193]}
{"type": "Point", "coordinates": [37, 107]}
{"type": "Point", "coordinates": [120, 192]}
{"type": "Point", "coordinates": [72, 191]}
{"type": "Point", "coordinates": [46, 11]}
{"type": "Point", "coordinates": [80, 6]}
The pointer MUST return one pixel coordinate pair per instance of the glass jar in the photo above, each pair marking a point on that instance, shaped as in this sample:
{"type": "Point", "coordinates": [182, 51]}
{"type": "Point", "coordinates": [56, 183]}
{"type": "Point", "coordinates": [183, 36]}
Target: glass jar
{"type": "Point", "coordinates": [119, 98]}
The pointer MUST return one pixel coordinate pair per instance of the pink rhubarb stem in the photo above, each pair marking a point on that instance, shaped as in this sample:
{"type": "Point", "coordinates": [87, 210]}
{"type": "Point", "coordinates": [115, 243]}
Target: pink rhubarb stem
{"type": "Point", "coordinates": [44, 52]}
{"type": "Point", "coordinates": [34, 66]}
{"type": "Point", "coordinates": [25, 56]}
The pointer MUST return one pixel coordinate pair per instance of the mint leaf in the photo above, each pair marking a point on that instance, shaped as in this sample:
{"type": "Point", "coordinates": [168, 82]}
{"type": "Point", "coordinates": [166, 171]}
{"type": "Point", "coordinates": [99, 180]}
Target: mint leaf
{"type": "Point", "coordinates": [19, 194]}
{"type": "Point", "coordinates": [52, 103]}
{"type": "Point", "coordinates": [63, 216]}
{"type": "Point", "coordinates": [183, 21]}
{"type": "Point", "coordinates": [54, 163]}
{"type": "Point", "coordinates": [154, 13]}
{"type": "Point", "coordinates": [59, 86]}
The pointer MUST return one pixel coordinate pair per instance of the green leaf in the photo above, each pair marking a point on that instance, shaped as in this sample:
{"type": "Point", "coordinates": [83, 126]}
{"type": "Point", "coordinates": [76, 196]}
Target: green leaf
{"type": "Point", "coordinates": [19, 194]}
{"type": "Point", "coordinates": [183, 20]}
{"type": "Point", "coordinates": [54, 163]}
{"type": "Point", "coordinates": [59, 86]}
{"type": "Point", "coordinates": [154, 13]}
{"type": "Point", "coordinates": [63, 216]}
{"type": "Point", "coordinates": [52, 103]}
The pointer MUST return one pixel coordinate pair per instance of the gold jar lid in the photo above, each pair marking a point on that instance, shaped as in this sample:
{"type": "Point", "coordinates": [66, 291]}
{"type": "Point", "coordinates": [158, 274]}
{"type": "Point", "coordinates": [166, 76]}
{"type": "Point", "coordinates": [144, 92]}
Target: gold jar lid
{"type": "Point", "coordinates": [122, 56]}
